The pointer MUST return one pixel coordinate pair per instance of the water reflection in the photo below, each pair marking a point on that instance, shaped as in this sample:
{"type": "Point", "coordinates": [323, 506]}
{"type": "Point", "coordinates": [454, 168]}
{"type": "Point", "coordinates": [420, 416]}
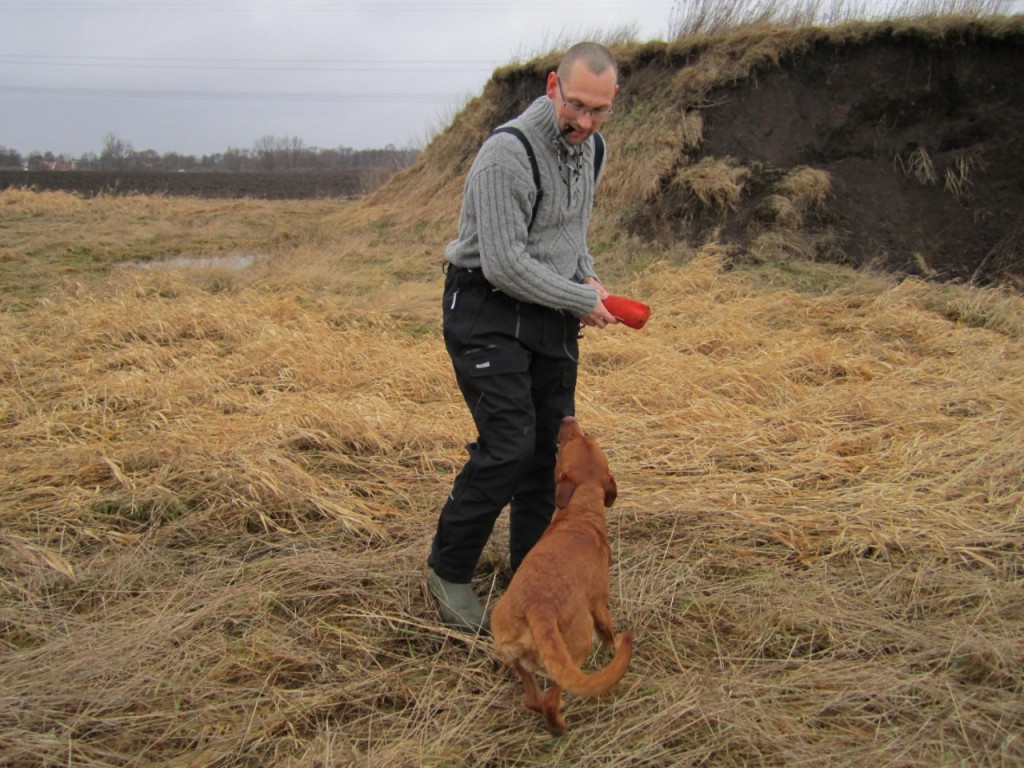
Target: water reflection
{"type": "Point", "coordinates": [231, 261]}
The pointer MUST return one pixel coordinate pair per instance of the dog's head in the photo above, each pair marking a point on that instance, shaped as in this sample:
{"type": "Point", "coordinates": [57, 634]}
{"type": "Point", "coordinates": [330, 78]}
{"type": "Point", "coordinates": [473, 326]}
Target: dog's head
{"type": "Point", "coordinates": [580, 462]}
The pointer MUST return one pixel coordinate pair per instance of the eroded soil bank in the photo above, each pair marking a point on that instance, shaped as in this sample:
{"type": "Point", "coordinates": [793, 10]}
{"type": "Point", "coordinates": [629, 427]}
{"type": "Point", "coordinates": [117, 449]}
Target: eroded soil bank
{"type": "Point", "coordinates": [924, 143]}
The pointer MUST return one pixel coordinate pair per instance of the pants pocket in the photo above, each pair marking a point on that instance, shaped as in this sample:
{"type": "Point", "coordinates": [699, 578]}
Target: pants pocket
{"type": "Point", "coordinates": [492, 361]}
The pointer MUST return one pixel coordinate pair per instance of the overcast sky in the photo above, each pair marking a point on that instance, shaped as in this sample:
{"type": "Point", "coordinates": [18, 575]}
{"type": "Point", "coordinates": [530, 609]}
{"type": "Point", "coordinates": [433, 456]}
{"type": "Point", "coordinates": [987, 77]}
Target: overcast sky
{"type": "Point", "coordinates": [200, 76]}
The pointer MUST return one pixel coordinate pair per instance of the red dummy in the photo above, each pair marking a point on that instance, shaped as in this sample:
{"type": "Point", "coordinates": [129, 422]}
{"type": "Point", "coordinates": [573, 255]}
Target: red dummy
{"type": "Point", "coordinates": [628, 311]}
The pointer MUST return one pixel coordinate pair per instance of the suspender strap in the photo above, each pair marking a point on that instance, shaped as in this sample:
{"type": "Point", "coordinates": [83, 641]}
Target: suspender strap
{"type": "Point", "coordinates": [598, 155]}
{"type": "Point", "coordinates": [533, 166]}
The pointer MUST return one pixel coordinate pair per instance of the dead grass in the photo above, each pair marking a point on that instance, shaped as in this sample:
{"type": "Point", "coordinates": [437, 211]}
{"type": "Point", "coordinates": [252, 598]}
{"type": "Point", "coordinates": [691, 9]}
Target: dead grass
{"type": "Point", "coordinates": [809, 189]}
{"type": "Point", "coordinates": [801, 193]}
{"type": "Point", "coordinates": [917, 165]}
{"type": "Point", "coordinates": [648, 140]}
{"type": "Point", "coordinates": [716, 183]}
{"type": "Point", "coordinates": [50, 237]}
{"type": "Point", "coordinates": [705, 17]}
{"type": "Point", "coordinates": [218, 485]}
{"type": "Point", "coordinates": [219, 488]}
{"type": "Point", "coordinates": [961, 175]}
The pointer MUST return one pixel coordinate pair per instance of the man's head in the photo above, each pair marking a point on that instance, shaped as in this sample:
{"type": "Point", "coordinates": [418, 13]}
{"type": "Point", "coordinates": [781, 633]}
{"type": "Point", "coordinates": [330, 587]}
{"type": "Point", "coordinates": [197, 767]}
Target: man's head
{"type": "Point", "coordinates": [582, 90]}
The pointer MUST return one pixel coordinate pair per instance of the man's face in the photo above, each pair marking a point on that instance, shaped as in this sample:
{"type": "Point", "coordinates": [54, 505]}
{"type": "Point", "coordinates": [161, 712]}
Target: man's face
{"type": "Point", "coordinates": [582, 101]}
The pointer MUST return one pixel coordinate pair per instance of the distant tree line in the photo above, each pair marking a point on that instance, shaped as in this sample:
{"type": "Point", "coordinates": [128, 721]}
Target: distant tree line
{"type": "Point", "coordinates": [268, 153]}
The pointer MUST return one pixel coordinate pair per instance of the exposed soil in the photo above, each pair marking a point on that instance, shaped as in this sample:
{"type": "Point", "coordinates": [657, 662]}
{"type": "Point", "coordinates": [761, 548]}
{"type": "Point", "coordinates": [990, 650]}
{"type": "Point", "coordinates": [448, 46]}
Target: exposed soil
{"type": "Point", "coordinates": [871, 115]}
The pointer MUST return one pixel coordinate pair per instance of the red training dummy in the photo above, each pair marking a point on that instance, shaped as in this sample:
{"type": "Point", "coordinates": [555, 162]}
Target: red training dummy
{"type": "Point", "coordinates": [628, 311]}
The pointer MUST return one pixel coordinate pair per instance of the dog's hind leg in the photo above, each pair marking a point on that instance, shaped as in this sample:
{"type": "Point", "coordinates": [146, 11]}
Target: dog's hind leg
{"type": "Point", "coordinates": [603, 625]}
{"type": "Point", "coordinates": [553, 710]}
{"type": "Point", "coordinates": [530, 688]}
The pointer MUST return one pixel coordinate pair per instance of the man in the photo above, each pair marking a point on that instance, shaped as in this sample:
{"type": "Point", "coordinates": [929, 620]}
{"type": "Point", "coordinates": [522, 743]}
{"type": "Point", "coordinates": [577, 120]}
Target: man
{"type": "Point", "coordinates": [519, 283]}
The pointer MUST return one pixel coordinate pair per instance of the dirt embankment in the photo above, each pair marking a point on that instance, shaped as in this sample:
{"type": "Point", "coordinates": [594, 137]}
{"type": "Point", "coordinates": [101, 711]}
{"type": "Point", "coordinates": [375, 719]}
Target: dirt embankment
{"type": "Point", "coordinates": [923, 141]}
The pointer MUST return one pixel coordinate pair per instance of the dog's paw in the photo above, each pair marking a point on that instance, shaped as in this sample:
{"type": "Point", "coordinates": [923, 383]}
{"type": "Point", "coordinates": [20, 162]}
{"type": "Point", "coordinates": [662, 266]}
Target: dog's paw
{"type": "Point", "coordinates": [555, 722]}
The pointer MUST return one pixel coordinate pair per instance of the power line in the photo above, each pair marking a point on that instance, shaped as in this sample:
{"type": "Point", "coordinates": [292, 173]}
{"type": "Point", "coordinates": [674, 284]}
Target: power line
{"type": "Point", "coordinates": [363, 6]}
{"type": "Point", "coordinates": [290, 65]}
{"type": "Point", "coordinates": [285, 96]}
{"type": "Point", "coordinates": [233, 60]}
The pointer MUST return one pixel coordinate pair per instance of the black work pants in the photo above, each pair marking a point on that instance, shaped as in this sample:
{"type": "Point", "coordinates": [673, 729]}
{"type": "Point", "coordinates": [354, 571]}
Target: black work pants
{"type": "Point", "coordinates": [516, 365]}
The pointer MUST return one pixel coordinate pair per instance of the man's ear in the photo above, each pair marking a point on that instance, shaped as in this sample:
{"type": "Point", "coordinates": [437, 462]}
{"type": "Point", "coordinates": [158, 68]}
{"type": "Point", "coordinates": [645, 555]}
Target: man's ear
{"type": "Point", "coordinates": [565, 485]}
{"type": "Point", "coordinates": [552, 85]}
{"type": "Point", "coordinates": [611, 491]}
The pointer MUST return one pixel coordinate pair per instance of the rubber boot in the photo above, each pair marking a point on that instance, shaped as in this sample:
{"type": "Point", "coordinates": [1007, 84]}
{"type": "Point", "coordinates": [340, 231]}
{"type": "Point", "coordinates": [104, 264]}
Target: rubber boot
{"type": "Point", "coordinates": [459, 606]}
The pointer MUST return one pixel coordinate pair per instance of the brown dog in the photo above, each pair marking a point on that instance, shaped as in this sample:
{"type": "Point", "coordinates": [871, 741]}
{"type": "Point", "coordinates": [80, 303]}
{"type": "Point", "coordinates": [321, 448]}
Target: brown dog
{"type": "Point", "coordinates": [545, 621]}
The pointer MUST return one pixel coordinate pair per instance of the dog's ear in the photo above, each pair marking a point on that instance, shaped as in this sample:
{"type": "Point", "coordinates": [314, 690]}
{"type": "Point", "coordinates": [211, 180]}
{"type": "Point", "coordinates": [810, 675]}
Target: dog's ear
{"type": "Point", "coordinates": [565, 484]}
{"type": "Point", "coordinates": [611, 490]}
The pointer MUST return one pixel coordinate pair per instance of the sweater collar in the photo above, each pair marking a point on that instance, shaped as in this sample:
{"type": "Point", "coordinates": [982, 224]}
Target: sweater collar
{"type": "Point", "coordinates": [540, 117]}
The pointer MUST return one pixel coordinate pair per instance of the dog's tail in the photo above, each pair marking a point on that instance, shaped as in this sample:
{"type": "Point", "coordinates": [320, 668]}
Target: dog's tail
{"type": "Point", "coordinates": [564, 671]}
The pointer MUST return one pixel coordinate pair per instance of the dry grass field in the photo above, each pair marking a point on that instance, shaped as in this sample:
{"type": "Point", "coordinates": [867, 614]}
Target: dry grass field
{"type": "Point", "coordinates": [219, 486]}
{"type": "Point", "coordinates": [219, 478]}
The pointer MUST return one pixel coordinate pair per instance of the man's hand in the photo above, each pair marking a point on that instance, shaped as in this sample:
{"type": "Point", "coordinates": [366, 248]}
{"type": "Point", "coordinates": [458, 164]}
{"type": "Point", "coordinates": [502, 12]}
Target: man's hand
{"type": "Point", "coordinates": [599, 316]}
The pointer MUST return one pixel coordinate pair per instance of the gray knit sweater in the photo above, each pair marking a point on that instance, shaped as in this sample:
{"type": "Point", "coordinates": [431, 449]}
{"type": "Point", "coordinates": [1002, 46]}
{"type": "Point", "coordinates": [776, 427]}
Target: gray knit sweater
{"type": "Point", "coordinates": [547, 264]}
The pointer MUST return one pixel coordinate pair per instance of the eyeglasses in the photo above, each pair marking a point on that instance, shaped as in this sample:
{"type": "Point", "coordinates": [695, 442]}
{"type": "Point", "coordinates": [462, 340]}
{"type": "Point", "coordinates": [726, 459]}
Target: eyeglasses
{"type": "Point", "coordinates": [596, 114]}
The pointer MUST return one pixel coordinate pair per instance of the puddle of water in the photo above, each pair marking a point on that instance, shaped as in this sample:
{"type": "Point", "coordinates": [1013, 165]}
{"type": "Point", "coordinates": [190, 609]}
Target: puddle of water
{"type": "Point", "coordinates": [231, 261]}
